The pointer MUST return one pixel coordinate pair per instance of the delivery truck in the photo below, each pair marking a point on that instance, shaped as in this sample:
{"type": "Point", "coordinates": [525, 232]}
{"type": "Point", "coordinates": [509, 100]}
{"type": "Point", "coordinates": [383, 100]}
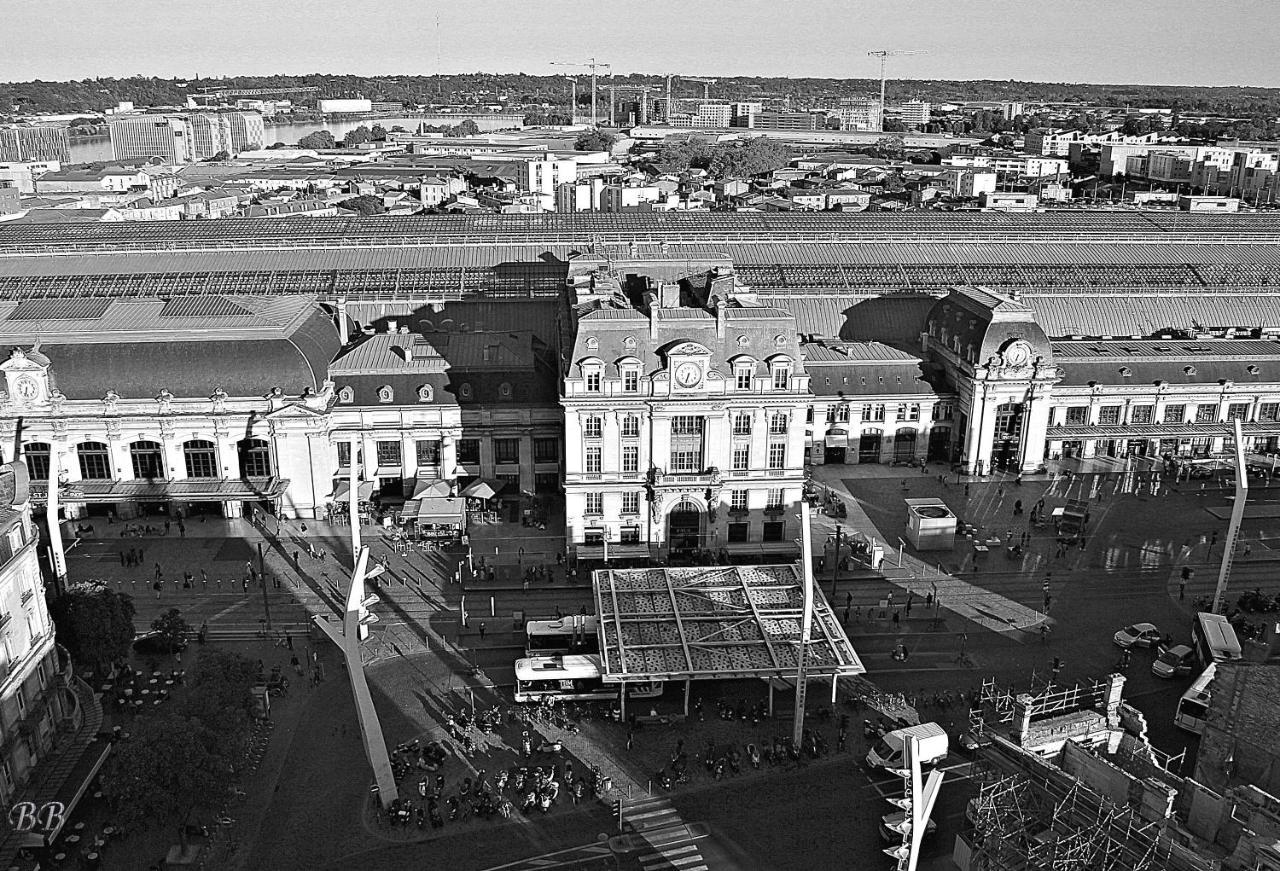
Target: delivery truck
{"type": "Point", "coordinates": [891, 750]}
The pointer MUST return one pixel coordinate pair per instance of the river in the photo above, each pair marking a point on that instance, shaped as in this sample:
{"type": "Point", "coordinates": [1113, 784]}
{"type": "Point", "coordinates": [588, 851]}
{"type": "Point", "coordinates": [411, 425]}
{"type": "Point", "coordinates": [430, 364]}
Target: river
{"type": "Point", "coordinates": [98, 148]}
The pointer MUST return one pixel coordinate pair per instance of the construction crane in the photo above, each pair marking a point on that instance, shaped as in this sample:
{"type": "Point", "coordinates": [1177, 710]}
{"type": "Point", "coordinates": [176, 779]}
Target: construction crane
{"type": "Point", "coordinates": [883, 54]}
{"type": "Point", "coordinates": [595, 66]}
{"type": "Point", "coordinates": [573, 98]}
{"type": "Point", "coordinates": [706, 85]}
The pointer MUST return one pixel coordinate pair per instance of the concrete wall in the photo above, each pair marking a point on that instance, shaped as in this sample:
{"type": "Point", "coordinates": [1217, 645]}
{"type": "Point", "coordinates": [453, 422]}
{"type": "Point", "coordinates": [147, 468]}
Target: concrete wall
{"type": "Point", "coordinates": [1241, 743]}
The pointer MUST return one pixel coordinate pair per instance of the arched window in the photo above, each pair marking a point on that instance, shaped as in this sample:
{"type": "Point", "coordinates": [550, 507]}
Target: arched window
{"type": "Point", "coordinates": [37, 456]}
{"type": "Point", "coordinates": [255, 458]}
{"type": "Point", "coordinates": [95, 461]}
{"type": "Point", "coordinates": [630, 426]}
{"type": "Point", "coordinates": [148, 460]}
{"type": "Point", "coordinates": [592, 427]}
{"type": "Point", "coordinates": [202, 459]}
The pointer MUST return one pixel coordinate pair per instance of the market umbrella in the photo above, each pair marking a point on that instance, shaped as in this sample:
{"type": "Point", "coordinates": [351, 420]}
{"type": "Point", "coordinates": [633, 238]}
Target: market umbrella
{"type": "Point", "coordinates": [479, 490]}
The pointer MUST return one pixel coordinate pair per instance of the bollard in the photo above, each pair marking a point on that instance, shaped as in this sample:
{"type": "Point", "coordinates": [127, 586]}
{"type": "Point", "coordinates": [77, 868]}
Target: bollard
{"type": "Point", "coordinates": [493, 609]}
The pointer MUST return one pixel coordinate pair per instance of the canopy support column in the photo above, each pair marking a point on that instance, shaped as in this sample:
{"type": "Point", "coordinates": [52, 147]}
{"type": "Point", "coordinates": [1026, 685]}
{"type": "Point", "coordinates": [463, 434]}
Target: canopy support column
{"type": "Point", "coordinates": [622, 697]}
{"type": "Point", "coordinates": [770, 682]}
{"type": "Point", "coordinates": [688, 682]}
{"type": "Point", "coordinates": [834, 682]}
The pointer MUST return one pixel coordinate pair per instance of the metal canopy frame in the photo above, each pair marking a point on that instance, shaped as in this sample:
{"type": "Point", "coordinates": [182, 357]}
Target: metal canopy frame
{"type": "Point", "coordinates": [703, 623]}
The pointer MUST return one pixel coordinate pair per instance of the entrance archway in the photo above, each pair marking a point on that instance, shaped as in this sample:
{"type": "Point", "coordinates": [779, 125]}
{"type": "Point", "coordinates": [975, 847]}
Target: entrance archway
{"type": "Point", "coordinates": [904, 445]}
{"type": "Point", "coordinates": [684, 528]}
{"type": "Point", "coordinates": [869, 446]}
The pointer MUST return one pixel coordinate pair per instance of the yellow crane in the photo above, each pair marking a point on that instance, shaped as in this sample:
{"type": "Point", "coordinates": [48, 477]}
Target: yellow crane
{"type": "Point", "coordinates": [595, 66]}
{"type": "Point", "coordinates": [884, 54]}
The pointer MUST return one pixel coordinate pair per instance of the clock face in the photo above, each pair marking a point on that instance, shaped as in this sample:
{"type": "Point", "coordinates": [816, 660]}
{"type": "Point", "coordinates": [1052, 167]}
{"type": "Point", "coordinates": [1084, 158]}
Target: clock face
{"type": "Point", "coordinates": [1018, 354]}
{"type": "Point", "coordinates": [688, 374]}
{"type": "Point", "coordinates": [26, 388]}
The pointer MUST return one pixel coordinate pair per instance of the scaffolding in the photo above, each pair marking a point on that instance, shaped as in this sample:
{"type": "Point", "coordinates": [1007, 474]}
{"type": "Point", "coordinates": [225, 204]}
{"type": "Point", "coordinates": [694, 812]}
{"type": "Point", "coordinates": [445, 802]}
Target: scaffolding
{"type": "Point", "coordinates": [1030, 814]}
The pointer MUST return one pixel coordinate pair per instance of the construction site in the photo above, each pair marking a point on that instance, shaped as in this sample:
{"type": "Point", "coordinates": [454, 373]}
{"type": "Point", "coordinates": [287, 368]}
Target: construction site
{"type": "Point", "coordinates": [1069, 782]}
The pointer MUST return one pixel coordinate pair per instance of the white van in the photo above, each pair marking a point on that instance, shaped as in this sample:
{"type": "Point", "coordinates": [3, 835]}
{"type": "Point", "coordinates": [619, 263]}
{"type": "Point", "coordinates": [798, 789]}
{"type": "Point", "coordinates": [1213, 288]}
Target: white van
{"type": "Point", "coordinates": [890, 751]}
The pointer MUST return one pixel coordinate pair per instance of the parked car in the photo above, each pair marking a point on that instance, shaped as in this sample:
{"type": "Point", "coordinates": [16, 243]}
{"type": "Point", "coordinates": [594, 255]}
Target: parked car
{"type": "Point", "coordinates": [1174, 661]}
{"type": "Point", "coordinates": [970, 742]}
{"type": "Point", "coordinates": [1138, 635]}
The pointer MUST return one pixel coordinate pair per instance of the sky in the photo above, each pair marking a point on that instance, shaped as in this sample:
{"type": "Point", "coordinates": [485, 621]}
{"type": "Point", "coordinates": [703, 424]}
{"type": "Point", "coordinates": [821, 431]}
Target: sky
{"type": "Point", "coordinates": [1228, 42]}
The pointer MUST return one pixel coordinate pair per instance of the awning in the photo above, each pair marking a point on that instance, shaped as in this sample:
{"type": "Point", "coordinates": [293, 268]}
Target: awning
{"type": "Point", "coordinates": [388, 471]}
{"type": "Point", "coordinates": [616, 551]}
{"type": "Point", "coordinates": [429, 487]}
{"type": "Point", "coordinates": [363, 493]}
{"type": "Point", "coordinates": [762, 547]}
{"type": "Point", "coordinates": [187, 489]}
{"type": "Point", "coordinates": [837, 437]}
{"type": "Point", "coordinates": [483, 489]}
{"type": "Point", "coordinates": [434, 509]}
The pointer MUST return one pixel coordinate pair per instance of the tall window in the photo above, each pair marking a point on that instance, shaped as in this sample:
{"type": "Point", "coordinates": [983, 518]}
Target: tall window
{"type": "Point", "coordinates": [630, 427]}
{"type": "Point", "coordinates": [1078, 415]}
{"type": "Point", "coordinates": [95, 461]}
{"type": "Point", "coordinates": [1266, 411]}
{"type": "Point", "coordinates": [686, 443]}
{"type": "Point", "coordinates": [777, 456]}
{"type": "Point", "coordinates": [1109, 415]}
{"type": "Point", "coordinates": [742, 423]}
{"type": "Point", "coordinates": [388, 454]}
{"type": "Point", "coordinates": [469, 451]}
{"type": "Point", "coordinates": [148, 460]}
{"type": "Point", "coordinates": [943, 411]}
{"type": "Point", "coordinates": [344, 455]}
{"type": "Point", "coordinates": [1141, 414]}
{"type": "Point", "coordinates": [775, 499]}
{"type": "Point", "coordinates": [593, 381]}
{"type": "Point", "coordinates": [630, 503]}
{"type": "Point", "coordinates": [742, 377]}
{"type": "Point", "coordinates": [1175, 413]}
{"type": "Point", "coordinates": [873, 412]}
{"type": "Point", "coordinates": [738, 532]}
{"type": "Point", "coordinates": [592, 461]}
{"type": "Point", "coordinates": [201, 459]}
{"type": "Point", "coordinates": [778, 423]}
{"type": "Point", "coordinates": [842, 414]}
{"type": "Point", "coordinates": [686, 425]}
{"type": "Point", "coordinates": [773, 531]}
{"type": "Point", "coordinates": [1207, 413]}
{"type": "Point", "coordinates": [428, 452]}
{"type": "Point", "coordinates": [255, 458]}
{"type": "Point", "coordinates": [546, 451]}
{"type": "Point", "coordinates": [1009, 420]}
{"type": "Point", "coordinates": [1238, 411]}
{"type": "Point", "coordinates": [630, 459]}
{"type": "Point", "coordinates": [630, 381]}
{"type": "Point", "coordinates": [593, 428]}
{"type": "Point", "coordinates": [506, 451]}
{"type": "Point", "coordinates": [911, 411]}
{"type": "Point", "coordinates": [686, 461]}
{"type": "Point", "coordinates": [37, 457]}
{"type": "Point", "coordinates": [595, 503]}
{"type": "Point", "coordinates": [741, 459]}
{"type": "Point", "coordinates": [781, 377]}
{"type": "Point", "coordinates": [738, 500]}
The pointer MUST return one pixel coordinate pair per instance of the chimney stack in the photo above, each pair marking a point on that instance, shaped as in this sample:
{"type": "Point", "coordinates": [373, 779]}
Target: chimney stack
{"type": "Point", "coordinates": [392, 326]}
{"type": "Point", "coordinates": [720, 307]}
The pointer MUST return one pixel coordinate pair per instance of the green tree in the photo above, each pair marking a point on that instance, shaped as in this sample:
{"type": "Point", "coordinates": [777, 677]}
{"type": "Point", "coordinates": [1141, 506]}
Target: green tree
{"type": "Point", "coordinates": [172, 628]}
{"type": "Point", "coordinates": [754, 157]}
{"type": "Point", "coordinates": [889, 147]}
{"type": "Point", "coordinates": [594, 140]}
{"type": "Point", "coordinates": [320, 139]}
{"type": "Point", "coordinates": [466, 128]}
{"type": "Point", "coordinates": [365, 204]}
{"type": "Point", "coordinates": [360, 135]}
{"type": "Point", "coordinates": [378, 133]}
{"type": "Point", "coordinates": [94, 622]}
{"type": "Point", "coordinates": [221, 155]}
{"type": "Point", "coordinates": [186, 759]}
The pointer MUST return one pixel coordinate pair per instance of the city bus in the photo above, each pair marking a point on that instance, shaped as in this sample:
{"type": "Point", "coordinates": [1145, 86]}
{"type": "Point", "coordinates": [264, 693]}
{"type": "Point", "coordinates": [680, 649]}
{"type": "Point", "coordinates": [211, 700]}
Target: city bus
{"type": "Point", "coordinates": [1214, 639]}
{"type": "Point", "coordinates": [572, 678]}
{"type": "Point", "coordinates": [573, 634]}
{"type": "Point", "coordinates": [1193, 707]}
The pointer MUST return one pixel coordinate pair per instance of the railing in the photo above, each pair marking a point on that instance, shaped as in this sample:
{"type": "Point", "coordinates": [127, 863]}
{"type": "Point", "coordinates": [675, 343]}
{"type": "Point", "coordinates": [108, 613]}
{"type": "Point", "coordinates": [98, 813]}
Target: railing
{"type": "Point", "coordinates": [685, 478]}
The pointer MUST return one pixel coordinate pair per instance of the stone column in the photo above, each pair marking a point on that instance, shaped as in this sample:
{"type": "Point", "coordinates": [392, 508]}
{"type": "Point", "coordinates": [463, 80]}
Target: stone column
{"type": "Point", "coordinates": [526, 459]}
{"type": "Point", "coordinates": [1035, 426]}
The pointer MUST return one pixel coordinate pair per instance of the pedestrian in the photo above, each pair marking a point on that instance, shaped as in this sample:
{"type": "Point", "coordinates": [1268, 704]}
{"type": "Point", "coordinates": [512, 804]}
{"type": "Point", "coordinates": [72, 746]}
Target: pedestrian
{"type": "Point", "coordinates": [275, 581]}
{"type": "Point", "coordinates": [908, 606]}
{"type": "Point", "coordinates": [159, 574]}
{"type": "Point", "coordinates": [631, 734]}
{"type": "Point", "coordinates": [846, 615]}
{"type": "Point", "coordinates": [182, 529]}
{"type": "Point", "coordinates": [204, 576]}
{"type": "Point", "coordinates": [297, 666]}
{"type": "Point", "coordinates": [121, 557]}
{"type": "Point", "coordinates": [559, 614]}
{"type": "Point", "coordinates": [857, 613]}
{"type": "Point", "coordinates": [848, 599]}
{"type": "Point", "coordinates": [1017, 507]}
{"type": "Point", "coordinates": [1248, 549]}
{"type": "Point", "coordinates": [526, 583]}
{"type": "Point", "coordinates": [295, 557]}
{"type": "Point", "coordinates": [1000, 492]}
{"type": "Point", "coordinates": [928, 598]}
{"type": "Point", "coordinates": [1044, 633]}
{"type": "Point", "coordinates": [966, 491]}
{"type": "Point", "coordinates": [288, 640]}
{"type": "Point", "coordinates": [482, 630]}
{"type": "Point", "coordinates": [166, 527]}
{"type": "Point", "coordinates": [896, 619]}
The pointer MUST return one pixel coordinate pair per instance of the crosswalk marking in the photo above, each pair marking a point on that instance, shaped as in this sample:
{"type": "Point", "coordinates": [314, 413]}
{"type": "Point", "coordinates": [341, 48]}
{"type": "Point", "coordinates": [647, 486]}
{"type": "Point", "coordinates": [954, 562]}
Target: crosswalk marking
{"type": "Point", "coordinates": [667, 837]}
{"type": "Point", "coordinates": [675, 851]}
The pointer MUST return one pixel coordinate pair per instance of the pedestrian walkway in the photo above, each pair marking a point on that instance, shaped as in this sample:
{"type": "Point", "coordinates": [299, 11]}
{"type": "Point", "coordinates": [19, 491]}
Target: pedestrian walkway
{"type": "Point", "coordinates": [664, 835]}
{"type": "Point", "coordinates": [913, 575]}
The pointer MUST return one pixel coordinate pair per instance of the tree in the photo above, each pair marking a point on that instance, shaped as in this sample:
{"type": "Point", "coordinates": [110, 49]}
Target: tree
{"type": "Point", "coordinates": [378, 133]}
{"type": "Point", "coordinates": [321, 139]}
{"type": "Point", "coordinates": [893, 125]}
{"type": "Point", "coordinates": [754, 157]}
{"type": "Point", "coordinates": [356, 137]}
{"type": "Point", "coordinates": [594, 140]}
{"type": "Point", "coordinates": [94, 622]}
{"type": "Point", "coordinates": [466, 128]}
{"type": "Point", "coordinates": [172, 628]}
{"type": "Point", "coordinates": [188, 757]}
{"type": "Point", "coordinates": [889, 147]}
{"type": "Point", "coordinates": [365, 204]}
{"type": "Point", "coordinates": [221, 155]}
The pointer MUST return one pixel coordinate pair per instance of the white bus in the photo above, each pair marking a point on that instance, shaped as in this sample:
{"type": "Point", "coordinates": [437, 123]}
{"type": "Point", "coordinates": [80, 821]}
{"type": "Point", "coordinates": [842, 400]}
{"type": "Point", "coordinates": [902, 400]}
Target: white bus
{"type": "Point", "coordinates": [1193, 707]}
{"type": "Point", "coordinates": [1215, 640]}
{"type": "Point", "coordinates": [575, 634]}
{"type": "Point", "coordinates": [572, 678]}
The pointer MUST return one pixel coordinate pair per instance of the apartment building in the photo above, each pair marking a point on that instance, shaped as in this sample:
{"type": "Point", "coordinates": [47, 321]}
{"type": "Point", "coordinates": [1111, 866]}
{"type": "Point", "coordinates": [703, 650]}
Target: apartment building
{"type": "Point", "coordinates": [42, 142]}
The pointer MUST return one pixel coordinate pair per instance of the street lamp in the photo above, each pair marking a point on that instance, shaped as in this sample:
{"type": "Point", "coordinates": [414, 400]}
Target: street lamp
{"type": "Point", "coordinates": [835, 565]}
